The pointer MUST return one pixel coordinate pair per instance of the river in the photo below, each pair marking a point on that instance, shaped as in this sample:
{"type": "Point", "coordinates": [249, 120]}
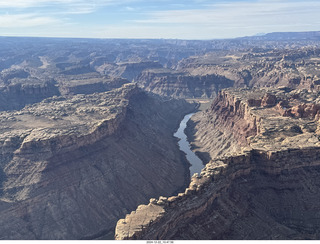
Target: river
{"type": "Point", "coordinates": [196, 163]}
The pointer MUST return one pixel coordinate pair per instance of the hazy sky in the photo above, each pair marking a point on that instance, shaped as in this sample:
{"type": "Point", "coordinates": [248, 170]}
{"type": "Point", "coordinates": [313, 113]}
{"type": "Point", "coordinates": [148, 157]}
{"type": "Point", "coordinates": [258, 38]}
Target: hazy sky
{"type": "Point", "coordinates": [183, 19]}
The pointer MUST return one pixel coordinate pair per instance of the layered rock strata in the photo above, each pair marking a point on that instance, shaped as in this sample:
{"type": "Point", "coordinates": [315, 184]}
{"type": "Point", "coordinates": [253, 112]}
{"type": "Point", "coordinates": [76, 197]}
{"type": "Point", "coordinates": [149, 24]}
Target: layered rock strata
{"type": "Point", "coordinates": [127, 70]}
{"type": "Point", "coordinates": [268, 188]}
{"type": "Point", "coordinates": [260, 67]}
{"type": "Point", "coordinates": [16, 96]}
{"type": "Point", "coordinates": [180, 84]}
{"type": "Point", "coordinates": [89, 85]}
{"type": "Point", "coordinates": [70, 167]}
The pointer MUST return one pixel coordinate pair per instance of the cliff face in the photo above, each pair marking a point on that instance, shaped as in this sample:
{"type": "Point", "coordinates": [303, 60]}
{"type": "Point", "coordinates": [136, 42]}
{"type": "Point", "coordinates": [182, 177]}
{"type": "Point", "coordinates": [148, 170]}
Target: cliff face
{"type": "Point", "coordinates": [90, 85]}
{"type": "Point", "coordinates": [127, 70]}
{"type": "Point", "coordinates": [260, 67]}
{"type": "Point", "coordinates": [251, 196]}
{"type": "Point", "coordinates": [265, 189]}
{"type": "Point", "coordinates": [70, 167]}
{"type": "Point", "coordinates": [182, 85]}
{"type": "Point", "coordinates": [222, 129]}
{"type": "Point", "coordinates": [16, 96]}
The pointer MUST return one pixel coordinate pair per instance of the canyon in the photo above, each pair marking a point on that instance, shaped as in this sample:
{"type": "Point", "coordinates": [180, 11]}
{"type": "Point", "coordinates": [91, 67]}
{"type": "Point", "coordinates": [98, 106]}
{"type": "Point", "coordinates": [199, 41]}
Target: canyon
{"type": "Point", "coordinates": [65, 169]}
{"type": "Point", "coordinates": [88, 147]}
{"type": "Point", "coordinates": [261, 185]}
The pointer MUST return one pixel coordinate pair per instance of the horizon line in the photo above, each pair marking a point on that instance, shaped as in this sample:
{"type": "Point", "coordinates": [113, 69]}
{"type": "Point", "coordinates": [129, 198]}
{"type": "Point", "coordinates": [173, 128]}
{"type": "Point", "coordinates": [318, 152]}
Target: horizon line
{"type": "Point", "coordinates": [177, 39]}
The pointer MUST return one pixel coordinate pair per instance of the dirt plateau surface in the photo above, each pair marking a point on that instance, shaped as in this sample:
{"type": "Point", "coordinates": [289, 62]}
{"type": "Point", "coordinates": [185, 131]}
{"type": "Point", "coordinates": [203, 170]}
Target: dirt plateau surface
{"type": "Point", "coordinates": [262, 177]}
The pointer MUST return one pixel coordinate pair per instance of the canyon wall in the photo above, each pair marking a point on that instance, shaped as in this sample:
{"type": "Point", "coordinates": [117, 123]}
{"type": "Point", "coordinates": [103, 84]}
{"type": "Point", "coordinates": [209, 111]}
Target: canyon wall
{"type": "Point", "coordinates": [260, 67]}
{"type": "Point", "coordinates": [177, 84]}
{"type": "Point", "coordinates": [250, 196]}
{"type": "Point", "coordinates": [16, 96]}
{"type": "Point", "coordinates": [85, 85]}
{"type": "Point", "coordinates": [80, 163]}
{"type": "Point", "coordinates": [266, 188]}
{"type": "Point", "coordinates": [223, 128]}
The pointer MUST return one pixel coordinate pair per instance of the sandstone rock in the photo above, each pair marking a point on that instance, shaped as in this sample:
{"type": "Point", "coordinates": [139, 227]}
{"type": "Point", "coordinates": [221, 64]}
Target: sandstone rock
{"type": "Point", "coordinates": [75, 176]}
{"type": "Point", "coordinates": [177, 84]}
{"type": "Point", "coordinates": [268, 100]}
{"type": "Point", "coordinates": [264, 188]}
{"type": "Point", "coordinates": [153, 201]}
{"type": "Point", "coordinates": [254, 102]}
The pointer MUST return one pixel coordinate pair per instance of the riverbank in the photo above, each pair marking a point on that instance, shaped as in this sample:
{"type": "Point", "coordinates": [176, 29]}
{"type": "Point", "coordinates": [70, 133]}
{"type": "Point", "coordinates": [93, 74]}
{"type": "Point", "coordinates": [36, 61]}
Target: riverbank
{"type": "Point", "coordinates": [196, 164]}
{"type": "Point", "coordinates": [204, 104]}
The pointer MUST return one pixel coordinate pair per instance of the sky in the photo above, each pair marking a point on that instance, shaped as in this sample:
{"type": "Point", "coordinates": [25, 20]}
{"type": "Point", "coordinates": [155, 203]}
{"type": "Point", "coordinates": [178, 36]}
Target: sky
{"type": "Point", "coordinates": [181, 19]}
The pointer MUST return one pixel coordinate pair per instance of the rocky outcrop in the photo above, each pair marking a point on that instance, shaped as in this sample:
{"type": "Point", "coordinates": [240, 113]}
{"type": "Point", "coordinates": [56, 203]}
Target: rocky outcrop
{"type": "Point", "coordinates": [16, 96]}
{"type": "Point", "coordinates": [224, 127]}
{"type": "Point", "coordinates": [90, 85]}
{"type": "Point", "coordinates": [77, 69]}
{"type": "Point", "coordinates": [176, 84]}
{"type": "Point", "coordinates": [126, 70]}
{"type": "Point", "coordinates": [266, 190]}
{"type": "Point", "coordinates": [7, 75]}
{"type": "Point", "coordinates": [251, 196]}
{"type": "Point", "coordinates": [71, 166]}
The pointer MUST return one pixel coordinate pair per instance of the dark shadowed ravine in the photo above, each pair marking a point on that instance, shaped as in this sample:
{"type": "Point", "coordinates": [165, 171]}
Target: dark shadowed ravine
{"type": "Point", "coordinates": [196, 163]}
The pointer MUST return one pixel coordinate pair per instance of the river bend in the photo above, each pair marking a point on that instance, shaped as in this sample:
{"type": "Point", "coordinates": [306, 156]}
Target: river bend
{"type": "Point", "coordinates": [194, 160]}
